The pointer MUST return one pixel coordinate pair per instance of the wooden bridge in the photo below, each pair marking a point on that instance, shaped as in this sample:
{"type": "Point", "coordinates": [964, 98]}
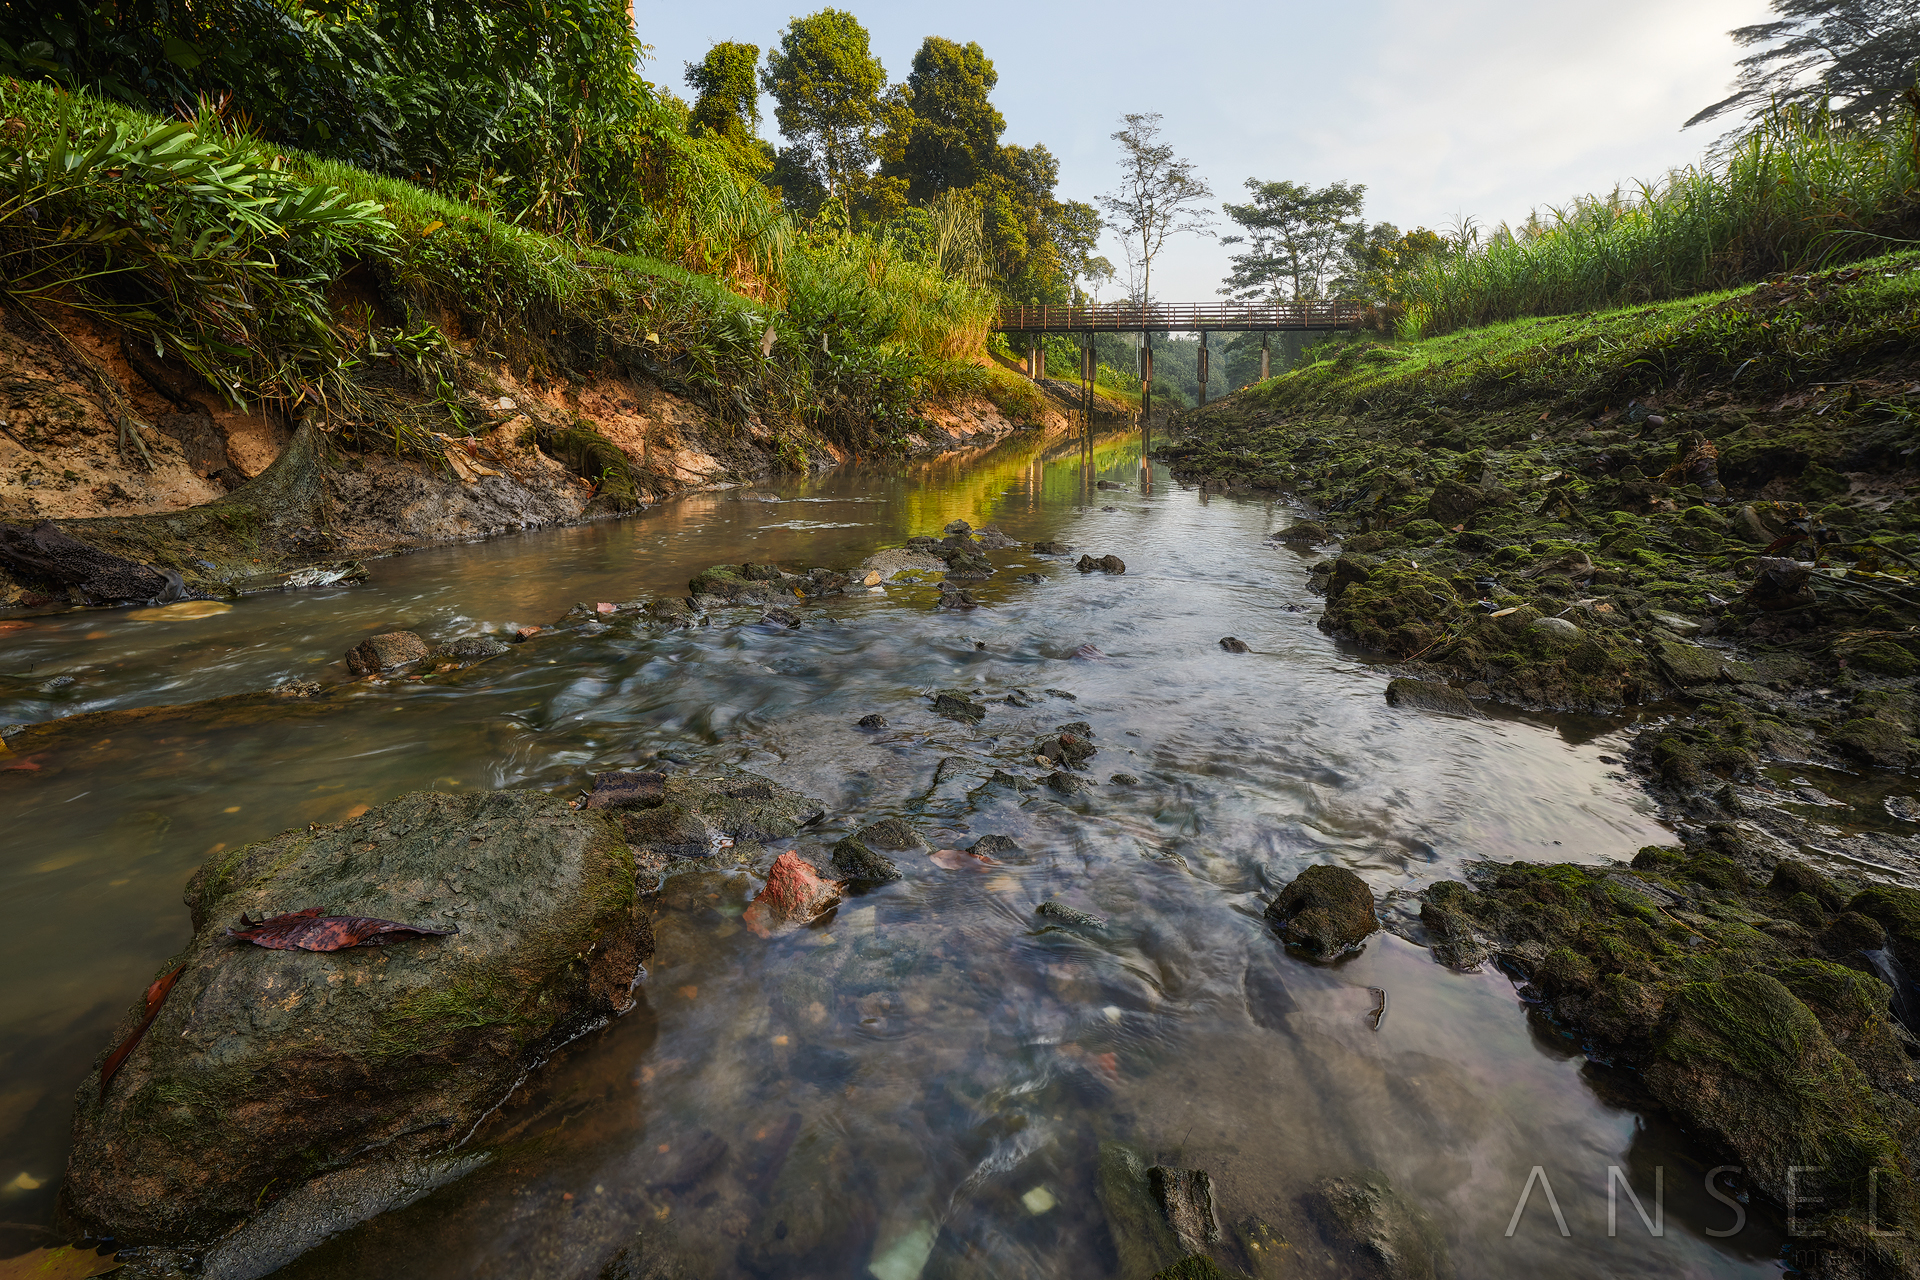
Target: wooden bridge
{"type": "Point", "coordinates": [1203, 318]}
{"type": "Point", "coordinates": [1232, 317]}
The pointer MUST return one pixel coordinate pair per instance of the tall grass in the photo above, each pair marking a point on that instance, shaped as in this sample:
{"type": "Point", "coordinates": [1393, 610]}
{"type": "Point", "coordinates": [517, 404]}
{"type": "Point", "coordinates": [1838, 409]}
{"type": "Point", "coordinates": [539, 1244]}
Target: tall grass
{"type": "Point", "coordinates": [1799, 192]}
{"type": "Point", "coordinates": [713, 268]}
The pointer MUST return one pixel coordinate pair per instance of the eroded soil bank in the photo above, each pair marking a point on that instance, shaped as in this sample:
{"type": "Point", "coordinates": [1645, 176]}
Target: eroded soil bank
{"type": "Point", "coordinates": [132, 454]}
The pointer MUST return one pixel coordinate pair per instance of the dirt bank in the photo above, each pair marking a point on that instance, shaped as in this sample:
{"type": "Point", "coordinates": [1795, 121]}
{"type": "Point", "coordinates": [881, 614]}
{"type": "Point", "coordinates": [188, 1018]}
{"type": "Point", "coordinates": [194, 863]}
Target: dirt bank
{"type": "Point", "coordinates": [130, 452]}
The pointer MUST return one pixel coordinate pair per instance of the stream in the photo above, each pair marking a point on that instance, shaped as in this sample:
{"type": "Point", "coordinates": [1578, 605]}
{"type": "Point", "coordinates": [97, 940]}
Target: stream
{"type": "Point", "coordinates": [940, 1066]}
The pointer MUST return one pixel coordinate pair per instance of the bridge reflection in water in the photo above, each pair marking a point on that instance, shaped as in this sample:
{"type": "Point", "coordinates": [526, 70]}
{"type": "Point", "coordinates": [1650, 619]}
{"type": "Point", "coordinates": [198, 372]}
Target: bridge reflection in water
{"type": "Point", "coordinates": [1202, 318]}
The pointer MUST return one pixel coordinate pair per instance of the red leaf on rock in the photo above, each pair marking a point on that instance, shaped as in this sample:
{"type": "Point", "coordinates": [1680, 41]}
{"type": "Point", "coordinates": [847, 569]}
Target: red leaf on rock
{"type": "Point", "coordinates": [156, 996]}
{"type": "Point", "coordinates": [308, 930]}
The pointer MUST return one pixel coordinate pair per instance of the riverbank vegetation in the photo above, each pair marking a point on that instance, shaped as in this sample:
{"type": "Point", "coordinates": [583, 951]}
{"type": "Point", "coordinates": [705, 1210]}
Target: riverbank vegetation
{"type": "Point", "coordinates": [216, 184]}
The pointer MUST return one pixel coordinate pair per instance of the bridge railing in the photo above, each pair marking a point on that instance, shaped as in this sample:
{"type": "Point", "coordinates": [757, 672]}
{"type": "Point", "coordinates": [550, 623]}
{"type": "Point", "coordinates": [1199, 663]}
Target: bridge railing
{"type": "Point", "coordinates": [1123, 317]}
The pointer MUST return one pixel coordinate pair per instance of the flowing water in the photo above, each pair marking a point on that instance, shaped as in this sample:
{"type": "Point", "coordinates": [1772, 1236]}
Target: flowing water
{"type": "Point", "coordinates": [920, 1085]}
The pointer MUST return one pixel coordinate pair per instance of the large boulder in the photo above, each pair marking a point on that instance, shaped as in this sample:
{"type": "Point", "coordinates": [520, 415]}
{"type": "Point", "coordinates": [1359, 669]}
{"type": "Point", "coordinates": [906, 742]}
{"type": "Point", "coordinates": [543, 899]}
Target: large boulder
{"type": "Point", "coordinates": [269, 1075]}
{"type": "Point", "coordinates": [1326, 912]}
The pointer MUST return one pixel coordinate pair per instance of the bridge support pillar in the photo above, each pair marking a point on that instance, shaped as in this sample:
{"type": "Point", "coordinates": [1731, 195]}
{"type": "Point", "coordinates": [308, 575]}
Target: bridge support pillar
{"type": "Point", "coordinates": [1146, 410]}
{"type": "Point", "coordinates": [1203, 368]}
{"type": "Point", "coordinates": [1266, 357]}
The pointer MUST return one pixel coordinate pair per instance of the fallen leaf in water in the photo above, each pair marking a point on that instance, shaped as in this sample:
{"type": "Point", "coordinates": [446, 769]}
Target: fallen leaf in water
{"type": "Point", "coordinates": [156, 996]}
{"type": "Point", "coordinates": [20, 766]}
{"type": "Point", "coordinates": [603, 607]}
{"type": "Point", "coordinates": [24, 1181]}
{"type": "Point", "coordinates": [14, 626]}
{"type": "Point", "coordinates": [308, 930]}
{"type": "Point", "coordinates": [1501, 613]}
{"type": "Point", "coordinates": [64, 1263]}
{"type": "Point", "coordinates": [185, 611]}
{"type": "Point", "coordinates": [962, 860]}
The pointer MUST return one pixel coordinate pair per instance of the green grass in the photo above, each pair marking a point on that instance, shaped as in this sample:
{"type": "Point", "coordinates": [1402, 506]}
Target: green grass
{"type": "Point", "coordinates": [1760, 339]}
{"type": "Point", "coordinates": [860, 334]}
{"type": "Point", "coordinates": [1800, 192]}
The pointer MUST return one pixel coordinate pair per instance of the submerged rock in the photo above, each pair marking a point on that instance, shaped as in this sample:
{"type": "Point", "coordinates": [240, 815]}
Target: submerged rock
{"type": "Point", "coordinates": [1186, 1197]}
{"type": "Point", "coordinates": [696, 815]}
{"type": "Point", "coordinates": [1377, 1233]}
{"type": "Point", "coordinates": [387, 652]}
{"type": "Point", "coordinates": [464, 652]}
{"type": "Point", "coordinates": [794, 895]}
{"type": "Point", "coordinates": [265, 1069]}
{"type": "Point", "coordinates": [1326, 912]}
{"type": "Point", "coordinates": [627, 790]}
{"type": "Point", "coordinates": [875, 721]}
{"type": "Point", "coordinates": [957, 706]}
{"type": "Point", "coordinates": [1069, 915]}
{"type": "Point", "coordinates": [1052, 548]}
{"type": "Point", "coordinates": [1146, 1245]}
{"type": "Point", "coordinates": [1234, 644]}
{"type": "Point", "coordinates": [861, 865]}
{"type": "Point", "coordinates": [1105, 564]}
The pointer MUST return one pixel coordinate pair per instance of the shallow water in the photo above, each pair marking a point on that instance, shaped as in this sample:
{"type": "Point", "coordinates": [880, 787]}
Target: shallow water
{"type": "Point", "coordinates": [906, 1074]}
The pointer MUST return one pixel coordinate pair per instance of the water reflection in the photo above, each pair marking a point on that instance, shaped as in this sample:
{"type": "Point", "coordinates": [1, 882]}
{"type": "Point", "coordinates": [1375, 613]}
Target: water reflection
{"type": "Point", "coordinates": [899, 1087]}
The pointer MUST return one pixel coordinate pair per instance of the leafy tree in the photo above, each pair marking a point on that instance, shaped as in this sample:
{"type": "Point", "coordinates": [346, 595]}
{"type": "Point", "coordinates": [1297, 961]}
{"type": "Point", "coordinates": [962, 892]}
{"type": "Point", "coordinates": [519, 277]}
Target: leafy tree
{"type": "Point", "coordinates": [831, 102]}
{"type": "Point", "coordinates": [948, 137]}
{"type": "Point", "coordinates": [729, 91]}
{"type": "Point", "coordinates": [727, 107]}
{"type": "Point", "coordinates": [1860, 54]}
{"type": "Point", "coordinates": [1379, 260]}
{"type": "Point", "coordinates": [1159, 195]}
{"type": "Point", "coordinates": [1296, 238]}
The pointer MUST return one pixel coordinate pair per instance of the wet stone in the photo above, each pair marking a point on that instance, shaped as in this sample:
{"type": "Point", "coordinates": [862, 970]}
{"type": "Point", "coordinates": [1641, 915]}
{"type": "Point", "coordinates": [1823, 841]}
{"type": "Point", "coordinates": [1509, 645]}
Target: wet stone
{"type": "Point", "coordinates": [1326, 912]}
{"type": "Point", "coordinates": [700, 814]}
{"type": "Point", "coordinates": [1186, 1197]}
{"type": "Point", "coordinates": [1428, 695]}
{"type": "Point", "coordinates": [994, 846]}
{"type": "Point", "coordinates": [387, 652]}
{"type": "Point", "coordinates": [875, 721]}
{"type": "Point", "coordinates": [781, 618]}
{"type": "Point", "coordinates": [957, 706]}
{"type": "Point", "coordinates": [1066, 784]}
{"type": "Point", "coordinates": [892, 834]}
{"type": "Point", "coordinates": [466, 651]}
{"type": "Point", "coordinates": [282, 1064]}
{"type": "Point", "coordinates": [1124, 780]}
{"type": "Point", "coordinates": [1063, 914]}
{"type": "Point", "coordinates": [1104, 564]}
{"type": "Point", "coordinates": [1146, 1245]}
{"type": "Point", "coordinates": [862, 866]}
{"type": "Point", "coordinates": [625, 790]}
{"type": "Point", "coordinates": [1234, 644]}
{"type": "Point", "coordinates": [1052, 548]}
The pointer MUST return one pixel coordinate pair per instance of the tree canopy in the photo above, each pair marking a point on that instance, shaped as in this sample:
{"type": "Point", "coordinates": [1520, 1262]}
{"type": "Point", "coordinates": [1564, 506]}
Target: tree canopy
{"type": "Point", "coordinates": [948, 138]}
{"type": "Point", "coordinates": [831, 103]}
{"type": "Point", "coordinates": [1296, 237]}
{"type": "Point", "coordinates": [1160, 195]}
{"type": "Point", "coordinates": [1860, 56]}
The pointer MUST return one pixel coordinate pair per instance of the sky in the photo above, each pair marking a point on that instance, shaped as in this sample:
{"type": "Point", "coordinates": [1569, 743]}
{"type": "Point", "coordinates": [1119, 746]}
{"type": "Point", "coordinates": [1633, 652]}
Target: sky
{"type": "Point", "coordinates": [1481, 109]}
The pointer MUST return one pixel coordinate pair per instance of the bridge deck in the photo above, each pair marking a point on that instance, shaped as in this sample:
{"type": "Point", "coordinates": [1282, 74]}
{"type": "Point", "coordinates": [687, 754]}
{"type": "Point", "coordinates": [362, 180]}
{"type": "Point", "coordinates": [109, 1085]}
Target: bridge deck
{"type": "Point", "coordinates": [1236, 317]}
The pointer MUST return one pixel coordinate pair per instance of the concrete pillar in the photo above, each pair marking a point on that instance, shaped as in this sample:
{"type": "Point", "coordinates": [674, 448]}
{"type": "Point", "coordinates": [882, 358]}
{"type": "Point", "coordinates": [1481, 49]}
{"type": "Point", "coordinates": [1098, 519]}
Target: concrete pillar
{"type": "Point", "coordinates": [1203, 367]}
{"type": "Point", "coordinates": [1265, 358]}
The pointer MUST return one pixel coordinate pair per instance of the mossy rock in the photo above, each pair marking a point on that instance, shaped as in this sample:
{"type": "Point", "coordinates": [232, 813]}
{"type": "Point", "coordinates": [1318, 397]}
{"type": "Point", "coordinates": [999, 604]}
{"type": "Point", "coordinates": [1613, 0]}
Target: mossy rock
{"type": "Point", "coordinates": [1745, 1063]}
{"type": "Point", "coordinates": [1883, 658]}
{"type": "Point", "coordinates": [1326, 912]}
{"type": "Point", "coordinates": [1376, 1232]}
{"type": "Point", "coordinates": [1872, 740]}
{"type": "Point", "coordinates": [1897, 910]}
{"type": "Point", "coordinates": [267, 1068]}
{"type": "Point", "coordinates": [1396, 607]}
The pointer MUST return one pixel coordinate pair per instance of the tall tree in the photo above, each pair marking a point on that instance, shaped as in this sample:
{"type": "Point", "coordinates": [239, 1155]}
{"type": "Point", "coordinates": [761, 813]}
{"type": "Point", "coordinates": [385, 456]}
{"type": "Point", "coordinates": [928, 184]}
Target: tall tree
{"type": "Point", "coordinates": [1296, 238]}
{"type": "Point", "coordinates": [1859, 54]}
{"type": "Point", "coordinates": [1379, 260]}
{"type": "Point", "coordinates": [728, 101]}
{"type": "Point", "coordinates": [1160, 195]}
{"type": "Point", "coordinates": [830, 102]}
{"type": "Point", "coordinates": [948, 136]}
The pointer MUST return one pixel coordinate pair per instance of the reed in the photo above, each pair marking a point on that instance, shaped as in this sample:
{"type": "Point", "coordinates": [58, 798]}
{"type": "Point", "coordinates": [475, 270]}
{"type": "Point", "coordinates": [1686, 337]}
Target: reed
{"type": "Point", "coordinates": [1800, 192]}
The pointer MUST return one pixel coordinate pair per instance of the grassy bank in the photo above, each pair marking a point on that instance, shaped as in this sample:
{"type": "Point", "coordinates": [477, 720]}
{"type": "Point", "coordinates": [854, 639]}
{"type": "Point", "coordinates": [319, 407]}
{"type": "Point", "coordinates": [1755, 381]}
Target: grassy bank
{"type": "Point", "coordinates": [1799, 192]}
{"type": "Point", "coordinates": [212, 247]}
